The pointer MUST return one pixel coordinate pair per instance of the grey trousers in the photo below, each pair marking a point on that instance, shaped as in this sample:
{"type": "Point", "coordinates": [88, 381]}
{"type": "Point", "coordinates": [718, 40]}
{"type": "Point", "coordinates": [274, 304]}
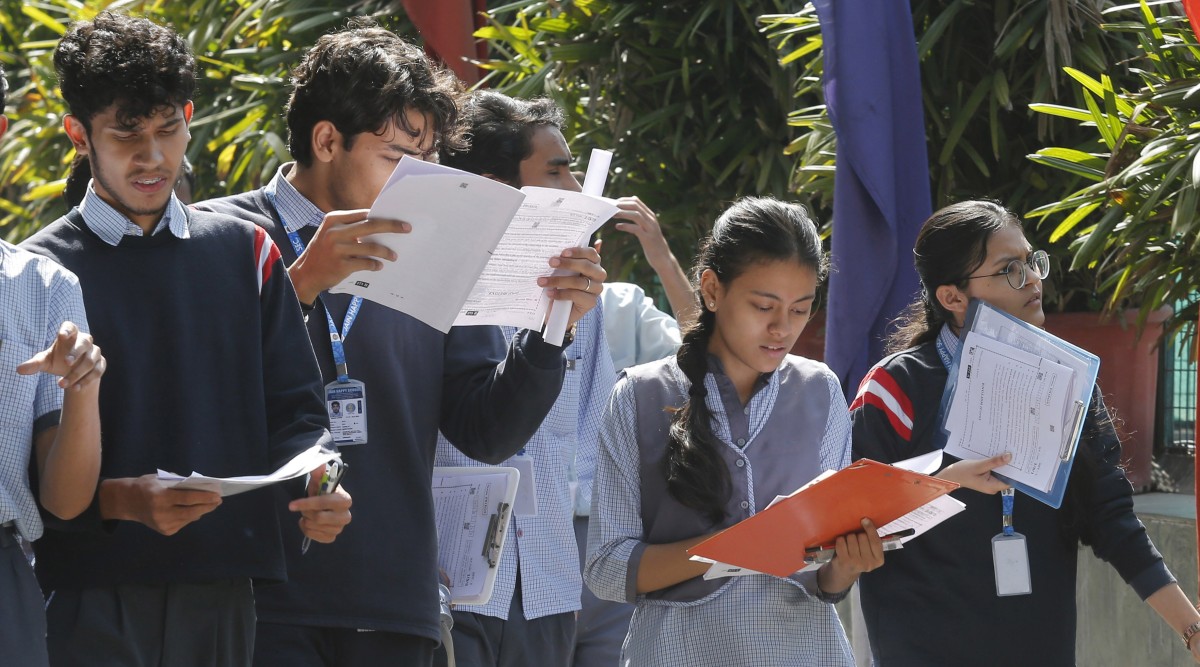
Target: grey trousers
{"type": "Point", "coordinates": [161, 625]}
{"type": "Point", "coordinates": [487, 641]}
{"type": "Point", "coordinates": [22, 610]}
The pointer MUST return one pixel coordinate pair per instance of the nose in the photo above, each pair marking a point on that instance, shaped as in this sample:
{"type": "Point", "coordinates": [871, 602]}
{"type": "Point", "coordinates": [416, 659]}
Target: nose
{"type": "Point", "coordinates": [572, 183]}
{"type": "Point", "coordinates": [150, 151]}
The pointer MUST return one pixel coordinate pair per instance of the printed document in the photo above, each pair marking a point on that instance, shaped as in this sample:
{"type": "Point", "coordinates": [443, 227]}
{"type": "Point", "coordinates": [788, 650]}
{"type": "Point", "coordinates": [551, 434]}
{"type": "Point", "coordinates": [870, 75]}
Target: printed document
{"type": "Point", "coordinates": [548, 222]}
{"type": "Point", "coordinates": [301, 464]}
{"type": "Point", "coordinates": [472, 506]}
{"type": "Point", "coordinates": [458, 266]}
{"type": "Point", "coordinates": [1010, 400]}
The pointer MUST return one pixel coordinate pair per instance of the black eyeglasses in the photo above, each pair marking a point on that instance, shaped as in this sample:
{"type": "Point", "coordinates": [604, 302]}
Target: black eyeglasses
{"type": "Point", "coordinates": [1038, 263]}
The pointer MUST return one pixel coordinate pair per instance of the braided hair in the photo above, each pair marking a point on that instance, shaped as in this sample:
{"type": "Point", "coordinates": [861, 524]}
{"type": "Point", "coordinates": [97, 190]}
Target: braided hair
{"type": "Point", "coordinates": [751, 231]}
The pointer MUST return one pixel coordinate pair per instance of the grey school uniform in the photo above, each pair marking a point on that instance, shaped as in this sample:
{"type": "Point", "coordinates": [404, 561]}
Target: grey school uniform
{"type": "Point", "coordinates": [794, 427]}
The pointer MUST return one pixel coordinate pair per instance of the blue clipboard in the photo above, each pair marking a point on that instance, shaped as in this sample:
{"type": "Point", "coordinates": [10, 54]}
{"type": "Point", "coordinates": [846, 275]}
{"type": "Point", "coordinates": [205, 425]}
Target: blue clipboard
{"type": "Point", "coordinates": [1082, 399]}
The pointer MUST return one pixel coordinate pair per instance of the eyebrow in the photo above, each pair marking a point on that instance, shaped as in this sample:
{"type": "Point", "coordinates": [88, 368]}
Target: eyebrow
{"type": "Point", "coordinates": [773, 297]}
{"type": "Point", "coordinates": [559, 162]}
{"type": "Point", "coordinates": [1008, 259]}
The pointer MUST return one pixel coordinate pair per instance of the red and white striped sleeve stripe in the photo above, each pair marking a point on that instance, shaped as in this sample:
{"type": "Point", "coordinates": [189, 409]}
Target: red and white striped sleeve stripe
{"type": "Point", "coordinates": [879, 389]}
{"type": "Point", "coordinates": [266, 252]}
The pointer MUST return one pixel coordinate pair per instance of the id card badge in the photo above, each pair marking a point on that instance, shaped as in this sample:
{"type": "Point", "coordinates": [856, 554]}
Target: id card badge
{"type": "Point", "coordinates": [526, 501]}
{"type": "Point", "coordinates": [346, 403]}
{"type": "Point", "coordinates": [1010, 556]}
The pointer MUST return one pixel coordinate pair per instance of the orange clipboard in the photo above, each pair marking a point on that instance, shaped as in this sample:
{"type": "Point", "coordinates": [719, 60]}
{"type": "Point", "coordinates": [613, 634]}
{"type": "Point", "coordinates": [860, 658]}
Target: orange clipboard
{"type": "Point", "coordinates": [773, 541]}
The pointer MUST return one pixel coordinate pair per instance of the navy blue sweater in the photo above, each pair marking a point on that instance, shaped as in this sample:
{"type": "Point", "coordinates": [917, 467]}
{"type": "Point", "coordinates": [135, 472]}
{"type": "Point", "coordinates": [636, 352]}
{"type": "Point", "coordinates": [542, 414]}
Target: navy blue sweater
{"type": "Point", "coordinates": [487, 397]}
{"type": "Point", "coordinates": [934, 603]}
{"type": "Point", "coordinates": [206, 372]}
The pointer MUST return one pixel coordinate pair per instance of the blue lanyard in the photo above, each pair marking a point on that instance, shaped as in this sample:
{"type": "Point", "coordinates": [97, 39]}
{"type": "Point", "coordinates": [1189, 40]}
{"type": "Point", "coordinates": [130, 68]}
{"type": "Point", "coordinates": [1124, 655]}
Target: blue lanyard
{"type": "Point", "coordinates": [944, 352]}
{"type": "Point", "coordinates": [336, 340]}
{"type": "Point", "coordinates": [1006, 518]}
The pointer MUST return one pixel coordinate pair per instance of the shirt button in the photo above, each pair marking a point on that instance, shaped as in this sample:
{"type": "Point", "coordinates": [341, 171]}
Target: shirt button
{"type": "Point", "coordinates": [520, 532]}
{"type": "Point", "coordinates": [740, 463]}
{"type": "Point", "coordinates": [746, 410]}
{"type": "Point", "coordinates": [741, 442]}
{"type": "Point", "coordinates": [745, 505]}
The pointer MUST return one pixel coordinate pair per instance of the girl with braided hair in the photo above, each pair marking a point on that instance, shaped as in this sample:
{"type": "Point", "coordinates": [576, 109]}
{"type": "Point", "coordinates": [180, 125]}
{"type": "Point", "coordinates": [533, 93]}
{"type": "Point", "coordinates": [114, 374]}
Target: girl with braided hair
{"type": "Point", "coordinates": [697, 442]}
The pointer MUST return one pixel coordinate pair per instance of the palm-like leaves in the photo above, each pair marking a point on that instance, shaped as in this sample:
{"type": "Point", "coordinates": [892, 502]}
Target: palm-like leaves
{"type": "Point", "coordinates": [1135, 224]}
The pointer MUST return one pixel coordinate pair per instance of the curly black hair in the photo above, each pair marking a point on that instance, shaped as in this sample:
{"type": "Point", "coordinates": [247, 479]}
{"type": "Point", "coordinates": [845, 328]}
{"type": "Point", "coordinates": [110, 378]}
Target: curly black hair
{"type": "Point", "coordinates": [361, 77]}
{"type": "Point", "coordinates": [499, 130]}
{"type": "Point", "coordinates": [138, 65]}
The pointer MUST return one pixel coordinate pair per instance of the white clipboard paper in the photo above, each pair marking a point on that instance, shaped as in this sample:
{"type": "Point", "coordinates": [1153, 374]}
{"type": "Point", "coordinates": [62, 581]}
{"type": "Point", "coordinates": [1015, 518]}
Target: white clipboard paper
{"type": "Point", "coordinates": [473, 508]}
{"type": "Point", "coordinates": [1075, 370]}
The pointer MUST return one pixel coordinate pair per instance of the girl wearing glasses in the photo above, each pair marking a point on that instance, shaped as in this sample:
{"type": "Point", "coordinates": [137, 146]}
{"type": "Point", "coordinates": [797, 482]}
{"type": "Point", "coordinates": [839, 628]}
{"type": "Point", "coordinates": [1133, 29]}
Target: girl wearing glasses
{"type": "Point", "coordinates": [946, 578]}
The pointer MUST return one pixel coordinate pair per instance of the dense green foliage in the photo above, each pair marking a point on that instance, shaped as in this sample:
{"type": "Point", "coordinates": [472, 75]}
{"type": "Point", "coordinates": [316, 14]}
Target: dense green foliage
{"type": "Point", "coordinates": [1134, 225]}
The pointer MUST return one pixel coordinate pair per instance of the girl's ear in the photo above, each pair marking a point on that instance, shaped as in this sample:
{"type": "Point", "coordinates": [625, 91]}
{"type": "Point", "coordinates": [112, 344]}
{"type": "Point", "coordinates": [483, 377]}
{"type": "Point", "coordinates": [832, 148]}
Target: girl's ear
{"type": "Point", "coordinates": [954, 300]}
{"type": "Point", "coordinates": [710, 290]}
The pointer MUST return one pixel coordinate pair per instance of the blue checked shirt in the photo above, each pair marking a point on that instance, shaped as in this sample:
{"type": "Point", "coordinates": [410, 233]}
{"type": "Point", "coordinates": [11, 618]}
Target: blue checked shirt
{"type": "Point", "coordinates": [110, 224]}
{"type": "Point", "coordinates": [750, 621]}
{"type": "Point", "coordinates": [543, 546]}
{"type": "Point", "coordinates": [36, 297]}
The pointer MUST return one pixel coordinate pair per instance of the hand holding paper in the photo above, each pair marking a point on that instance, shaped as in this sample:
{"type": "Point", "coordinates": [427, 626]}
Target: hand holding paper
{"type": "Point", "coordinates": [339, 248]}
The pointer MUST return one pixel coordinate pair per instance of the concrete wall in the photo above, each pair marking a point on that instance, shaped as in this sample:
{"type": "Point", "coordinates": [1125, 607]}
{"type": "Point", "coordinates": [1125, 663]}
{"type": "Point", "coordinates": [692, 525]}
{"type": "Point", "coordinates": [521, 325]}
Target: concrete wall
{"type": "Point", "coordinates": [1115, 627]}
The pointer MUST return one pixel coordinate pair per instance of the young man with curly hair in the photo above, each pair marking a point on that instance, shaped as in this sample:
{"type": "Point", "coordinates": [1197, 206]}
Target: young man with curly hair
{"type": "Point", "coordinates": [185, 303]}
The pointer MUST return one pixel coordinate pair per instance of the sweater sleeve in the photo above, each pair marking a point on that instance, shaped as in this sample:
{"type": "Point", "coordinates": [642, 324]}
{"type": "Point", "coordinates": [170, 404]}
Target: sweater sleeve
{"type": "Point", "coordinates": [881, 416]}
{"type": "Point", "coordinates": [1117, 535]}
{"type": "Point", "coordinates": [296, 418]}
{"type": "Point", "coordinates": [493, 401]}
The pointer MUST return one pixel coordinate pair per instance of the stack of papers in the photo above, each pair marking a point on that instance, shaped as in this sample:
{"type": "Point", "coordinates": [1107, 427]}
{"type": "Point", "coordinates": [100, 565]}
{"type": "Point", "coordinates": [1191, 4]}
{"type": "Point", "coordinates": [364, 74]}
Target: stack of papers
{"type": "Point", "coordinates": [476, 249]}
{"type": "Point", "coordinates": [301, 464]}
{"type": "Point", "coordinates": [1016, 388]}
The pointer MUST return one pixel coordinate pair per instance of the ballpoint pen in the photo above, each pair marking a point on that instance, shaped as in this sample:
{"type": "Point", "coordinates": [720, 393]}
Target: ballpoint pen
{"type": "Point", "coordinates": [334, 470]}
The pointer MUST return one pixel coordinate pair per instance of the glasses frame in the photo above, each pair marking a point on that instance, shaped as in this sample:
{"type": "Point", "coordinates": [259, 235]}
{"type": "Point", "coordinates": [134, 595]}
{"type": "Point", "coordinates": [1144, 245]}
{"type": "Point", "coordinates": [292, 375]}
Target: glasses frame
{"type": "Point", "coordinates": [1018, 267]}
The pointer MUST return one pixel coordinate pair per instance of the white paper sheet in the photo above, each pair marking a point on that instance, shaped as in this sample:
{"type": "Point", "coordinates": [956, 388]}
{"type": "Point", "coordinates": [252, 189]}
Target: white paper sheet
{"type": "Point", "coordinates": [1010, 400]}
{"type": "Point", "coordinates": [457, 219]}
{"type": "Point", "coordinates": [925, 517]}
{"type": "Point", "coordinates": [301, 464]}
{"type": "Point", "coordinates": [548, 222]}
{"type": "Point", "coordinates": [457, 266]}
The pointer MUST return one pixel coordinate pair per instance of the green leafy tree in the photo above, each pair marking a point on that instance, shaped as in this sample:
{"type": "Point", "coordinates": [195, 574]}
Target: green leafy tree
{"type": "Point", "coordinates": [690, 98]}
{"type": "Point", "coordinates": [982, 67]}
{"type": "Point", "coordinates": [1135, 224]}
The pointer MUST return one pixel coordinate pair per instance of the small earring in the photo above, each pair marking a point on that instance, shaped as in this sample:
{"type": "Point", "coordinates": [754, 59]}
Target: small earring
{"type": "Point", "coordinates": [712, 305]}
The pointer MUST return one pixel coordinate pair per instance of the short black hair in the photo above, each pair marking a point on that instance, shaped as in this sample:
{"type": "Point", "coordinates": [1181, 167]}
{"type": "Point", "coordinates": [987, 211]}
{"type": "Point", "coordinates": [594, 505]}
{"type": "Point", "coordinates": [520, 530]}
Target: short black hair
{"type": "Point", "coordinates": [138, 65]}
{"type": "Point", "coordinates": [361, 77]}
{"type": "Point", "coordinates": [499, 130]}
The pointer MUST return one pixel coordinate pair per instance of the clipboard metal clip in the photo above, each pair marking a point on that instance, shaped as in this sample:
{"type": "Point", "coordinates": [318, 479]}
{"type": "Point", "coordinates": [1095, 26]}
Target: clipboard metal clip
{"type": "Point", "coordinates": [1072, 440]}
{"type": "Point", "coordinates": [491, 541]}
